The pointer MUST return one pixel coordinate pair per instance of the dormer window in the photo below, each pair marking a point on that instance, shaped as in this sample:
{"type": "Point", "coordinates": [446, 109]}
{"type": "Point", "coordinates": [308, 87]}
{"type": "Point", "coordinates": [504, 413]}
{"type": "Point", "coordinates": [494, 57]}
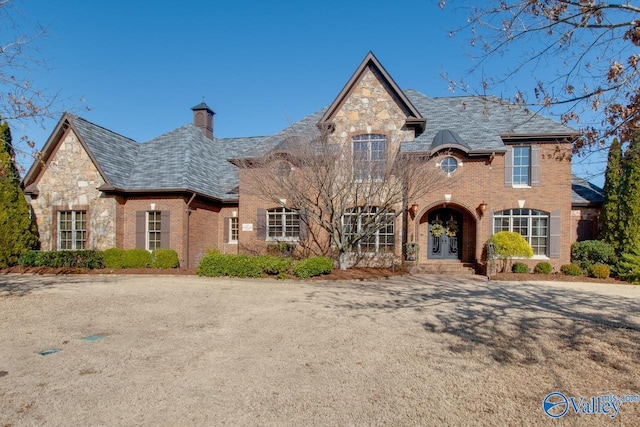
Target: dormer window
{"type": "Point", "coordinates": [369, 157]}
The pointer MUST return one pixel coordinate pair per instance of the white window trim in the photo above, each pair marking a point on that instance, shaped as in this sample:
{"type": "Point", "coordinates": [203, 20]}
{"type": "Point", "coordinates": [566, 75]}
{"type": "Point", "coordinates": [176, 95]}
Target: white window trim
{"type": "Point", "coordinates": [146, 239]}
{"type": "Point", "coordinates": [513, 167]}
{"type": "Point", "coordinates": [231, 220]}
{"type": "Point", "coordinates": [529, 228]}
{"type": "Point", "coordinates": [282, 237]}
{"type": "Point", "coordinates": [387, 249]}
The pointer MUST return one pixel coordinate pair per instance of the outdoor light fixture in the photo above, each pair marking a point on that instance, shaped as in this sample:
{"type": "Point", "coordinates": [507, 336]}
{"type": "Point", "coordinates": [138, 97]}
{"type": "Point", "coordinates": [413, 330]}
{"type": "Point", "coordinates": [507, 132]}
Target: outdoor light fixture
{"type": "Point", "coordinates": [482, 208]}
{"type": "Point", "coordinates": [413, 209]}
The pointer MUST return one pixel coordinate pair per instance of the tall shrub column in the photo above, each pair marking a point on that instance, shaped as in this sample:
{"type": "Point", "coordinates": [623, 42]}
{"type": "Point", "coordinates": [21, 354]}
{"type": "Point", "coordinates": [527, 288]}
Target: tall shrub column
{"type": "Point", "coordinates": [611, 206]}
{"type": "Point", "coordinates": [18, 233]}
{"type": "Point", "coordinates": [630, 197]}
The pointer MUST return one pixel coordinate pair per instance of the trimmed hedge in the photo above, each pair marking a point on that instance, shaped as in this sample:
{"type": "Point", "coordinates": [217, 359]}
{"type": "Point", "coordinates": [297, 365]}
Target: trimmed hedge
{"type": "Point", "coordinates": [543, 268]}
{"type": "Point", "coordinates": [56, 259]}
{"type": "Point", "coordinates": [114, 258]}
{"type": "Point", "coordinates": [509, 244]}
{"type": "Point", "coordinates": [215, 265]}
{"type": "Point", "coordinates": [520, 267]}
{"type": "Point", "coordinates": [314, 266]}
{"type": "Point", "coordinates": [136, 258]}
{"type": "Point", "coordinates": [165, 258]}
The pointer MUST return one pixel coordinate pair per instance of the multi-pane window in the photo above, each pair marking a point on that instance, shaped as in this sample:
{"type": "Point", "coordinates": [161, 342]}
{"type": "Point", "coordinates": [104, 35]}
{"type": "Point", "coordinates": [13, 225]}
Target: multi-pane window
{"type": "Point", "coordinates": [531, 223]}
{"type": "Point", "coordinates": [369, 157]}
{"type": "Point", "coordinates": [72, 230]}
{"type": "Point", "coordinates": [233, 230]}
{"type": "Point", "coordinates": [283, 224]}
{"type": "Point", "coordinates": [371, 231]}
{"type": "Point", "coordinates": [154, 230]}
{"type": "Point", "coordinates": [522, 165]}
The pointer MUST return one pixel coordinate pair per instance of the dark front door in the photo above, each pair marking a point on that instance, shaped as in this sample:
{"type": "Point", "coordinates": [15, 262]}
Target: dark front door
{"type": "Point", "coordinates": [445, 234]}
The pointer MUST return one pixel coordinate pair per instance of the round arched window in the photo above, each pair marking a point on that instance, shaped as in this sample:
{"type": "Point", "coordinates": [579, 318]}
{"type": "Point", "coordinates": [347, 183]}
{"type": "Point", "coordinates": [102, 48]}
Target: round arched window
{"type": "Point", "coordinates": [449, 165]}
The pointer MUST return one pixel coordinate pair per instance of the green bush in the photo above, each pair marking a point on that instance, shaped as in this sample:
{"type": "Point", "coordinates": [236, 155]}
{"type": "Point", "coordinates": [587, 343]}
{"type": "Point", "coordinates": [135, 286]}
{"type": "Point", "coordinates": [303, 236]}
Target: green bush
{"type": "Point", "coordinates": [599, 271]}
{"type": "Point", "coordinates": [29, 258]}
{"type": "Point", "coordinates": [57, 259]}
{"type": "Point", "coordinates": [114, 258]}
{"type": "Point", "coordinates": [215, 265]}
{"type": "Point", "coordinates": [520, 267]}
{"type": "Point", "coordinates": [314, 266]}
{"type": "Point", "coordinates": [629, 266]}
{"type": "Point", "coordinates": [165, 258]}
{"type": "Point", "coordinates": [509, 244]}
{"type": "Point", "coordinates": [136, 258]}
{"type": "Point", "coordinates": [543, 268]}
{"type": "Point", "coordinates": [274, 265]}
{"type": "Point", "coordinates": [571, 270]}
{"type": "Point", "coordinates": [590, 252]}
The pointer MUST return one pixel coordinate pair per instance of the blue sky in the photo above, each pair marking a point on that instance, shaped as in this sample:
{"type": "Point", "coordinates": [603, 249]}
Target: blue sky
{"type": "Point", "coordinates": [141, 65]}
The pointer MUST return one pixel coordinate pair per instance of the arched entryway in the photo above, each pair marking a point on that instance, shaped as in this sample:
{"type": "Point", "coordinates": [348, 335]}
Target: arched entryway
{"type": "Point", "coordinates": [444, 237]}
{"type": "Point", "coordinates": [447, 232]}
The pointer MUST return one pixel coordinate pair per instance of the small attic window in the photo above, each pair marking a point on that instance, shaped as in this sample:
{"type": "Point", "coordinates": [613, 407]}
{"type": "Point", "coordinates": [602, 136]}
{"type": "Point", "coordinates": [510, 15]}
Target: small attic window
{"type": "Point", "coordinates": [449, 165]}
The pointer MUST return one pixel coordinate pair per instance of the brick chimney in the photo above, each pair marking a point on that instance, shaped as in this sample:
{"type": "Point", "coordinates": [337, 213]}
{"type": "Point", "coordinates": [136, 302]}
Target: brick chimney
{"type": "Point", "coordinates": [203, 119]}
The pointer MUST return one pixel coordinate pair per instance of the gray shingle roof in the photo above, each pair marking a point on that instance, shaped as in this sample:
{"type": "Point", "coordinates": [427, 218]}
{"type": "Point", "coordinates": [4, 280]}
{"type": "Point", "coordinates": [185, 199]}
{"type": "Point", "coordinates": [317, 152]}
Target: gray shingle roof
{"type": "Point", "coordinates": [583, 192]}
{"type": "Point", "coordinates": [114, 153]}
{"type": "Point", "coordinates": [184, 159]}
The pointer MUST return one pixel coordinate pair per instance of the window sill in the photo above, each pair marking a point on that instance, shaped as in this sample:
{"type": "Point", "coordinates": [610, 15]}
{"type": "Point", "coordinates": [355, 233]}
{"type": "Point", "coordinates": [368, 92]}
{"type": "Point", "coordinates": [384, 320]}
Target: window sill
{"type": "Point", "coordinates": [282, 239]}
{"type": "Point", "coordinates": [520, 186]}
{"type": "Point", "coordinates": [232, 242]}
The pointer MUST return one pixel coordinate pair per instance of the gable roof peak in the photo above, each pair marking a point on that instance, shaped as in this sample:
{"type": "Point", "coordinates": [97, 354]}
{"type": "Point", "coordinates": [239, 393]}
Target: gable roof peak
{"type": "Point", "coordinates": [370, 62]}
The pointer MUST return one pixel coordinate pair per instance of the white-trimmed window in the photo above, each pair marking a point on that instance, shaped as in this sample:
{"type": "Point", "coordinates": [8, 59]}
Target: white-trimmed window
{"type": "Point", "coordinates": [376, 230]}
{"type": "Point", "coordinates": [369, 157]}
{"type": "Point", "coordinates": [154, 230]}
{"type": "Point", "coordinates": [532, 224]}
{"type": "Point", "coordinates": [233, 230]}
{"type": "Point", "coordinates": [522, 166]}
{"type": "Point", "coordinates": [283, 224]}
{"type": "Point", "coordinates": [72, 230]}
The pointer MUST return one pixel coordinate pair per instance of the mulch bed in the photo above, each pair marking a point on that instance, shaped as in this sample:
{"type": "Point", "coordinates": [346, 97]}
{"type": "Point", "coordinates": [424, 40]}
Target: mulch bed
{"type": "Point", "coordinates": [554, 277]}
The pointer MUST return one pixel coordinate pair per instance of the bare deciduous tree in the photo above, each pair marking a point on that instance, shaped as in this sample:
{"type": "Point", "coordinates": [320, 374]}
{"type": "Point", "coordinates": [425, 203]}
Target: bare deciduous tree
{"type": "Point", "coordinates": [348, 198]}
{"type": "Point", "coordinates": [581, 54]}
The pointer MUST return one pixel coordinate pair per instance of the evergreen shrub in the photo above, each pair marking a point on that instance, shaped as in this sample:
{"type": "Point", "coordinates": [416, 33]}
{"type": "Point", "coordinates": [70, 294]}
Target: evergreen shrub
{"type": "Point", "coordinates": [520, 267]}
{"type": "Point", "coordinates": [165, 258]}
{"type": "Point", "coordinates": [543, 268]}
{"type": "Point", "coordinates": [571, 270]}
{"type": "Point", "coordinates": [311, 267]}
{"type": "Point", "coordinates": [136, 258]}
{"type": "Point", "coordinates": [114, 258]}
{"type": "Point", "coordinates": [590, 252]}
{"type": "Point", "coordinates": [599, 271]}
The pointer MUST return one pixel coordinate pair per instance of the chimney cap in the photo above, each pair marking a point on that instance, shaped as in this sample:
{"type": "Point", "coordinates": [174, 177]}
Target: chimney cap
{"type": "Point", "coordinates": [202, 106]}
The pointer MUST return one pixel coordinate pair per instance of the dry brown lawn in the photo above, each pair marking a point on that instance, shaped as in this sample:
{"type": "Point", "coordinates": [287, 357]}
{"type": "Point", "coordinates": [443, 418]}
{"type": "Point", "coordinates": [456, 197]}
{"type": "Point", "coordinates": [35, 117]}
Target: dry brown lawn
{"type": "Point", "coordinates": [406, 350]}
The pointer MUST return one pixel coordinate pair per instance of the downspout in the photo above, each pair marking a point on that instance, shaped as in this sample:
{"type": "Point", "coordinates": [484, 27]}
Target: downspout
{"type": "Point", "coordinates": [186, 238]}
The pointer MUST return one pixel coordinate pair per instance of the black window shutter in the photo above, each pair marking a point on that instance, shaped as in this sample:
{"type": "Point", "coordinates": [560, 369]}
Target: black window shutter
{"type": "Point", "coordinates": [261, 224]}
{"type": "Point", "coordinates": [227, 222]}
{"type": "Point", "coordinates": [508, 167]}
{"type": "Point", "coordinates": [141, 230]}
{"type": "Point", "coordinates": [554, 235]}
{"type": "Point", "coordinates": [535, 165]}
{"type": "Point", "coordinates": [165, 229]}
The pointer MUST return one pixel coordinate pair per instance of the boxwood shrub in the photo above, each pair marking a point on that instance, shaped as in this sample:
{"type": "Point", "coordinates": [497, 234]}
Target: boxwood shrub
{"type": "Point", "coordinates": [590, 252]}
{"type": "Point", "coordinates": [214, 265]}
{"type": "Point", "coordinates": [543, 268]}
{"type": "Point", "coordinates": [165, 258]}
{"type": "Point", "coordinates": [520, 267]}
{"type": "Point", "coordinates": [571, 270]}
{"type": "Point", "coordinates": [56, 259]}
{"type": "Point", "coordinates": [136, 258]}
{"type": "Point", "coordinates": [311, 267]}
{"type": "Point", "coordinates": [114, 258]}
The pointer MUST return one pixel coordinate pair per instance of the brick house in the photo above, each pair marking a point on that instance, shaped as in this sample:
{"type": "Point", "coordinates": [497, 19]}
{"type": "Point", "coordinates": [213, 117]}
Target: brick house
{"type": "Point", "coordinates": [504, 168]}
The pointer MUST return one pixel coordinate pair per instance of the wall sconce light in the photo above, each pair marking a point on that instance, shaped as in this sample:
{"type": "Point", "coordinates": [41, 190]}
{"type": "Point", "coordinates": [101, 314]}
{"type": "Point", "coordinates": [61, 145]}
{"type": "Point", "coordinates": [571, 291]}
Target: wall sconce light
{"type": "Point", "coordinates": [482, 208]}
{"type": "Point", "coordinates": [413, 210]}
{"type": "Point", "coordinates": [447, 197]}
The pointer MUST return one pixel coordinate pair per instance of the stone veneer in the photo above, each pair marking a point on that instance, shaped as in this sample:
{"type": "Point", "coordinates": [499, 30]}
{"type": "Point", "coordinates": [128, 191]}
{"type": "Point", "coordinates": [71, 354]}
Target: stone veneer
{"type": "Point", "coordinates": [70, 181]}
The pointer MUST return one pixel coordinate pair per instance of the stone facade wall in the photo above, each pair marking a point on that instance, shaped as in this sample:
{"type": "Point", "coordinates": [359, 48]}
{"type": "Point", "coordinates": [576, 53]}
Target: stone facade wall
{"type": "Point", "coordinates": [70, 181]}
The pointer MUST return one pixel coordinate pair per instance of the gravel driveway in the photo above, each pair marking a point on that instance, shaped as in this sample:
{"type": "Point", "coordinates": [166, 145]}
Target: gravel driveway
{"type": "Point", "coordinates": [409, 350]}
